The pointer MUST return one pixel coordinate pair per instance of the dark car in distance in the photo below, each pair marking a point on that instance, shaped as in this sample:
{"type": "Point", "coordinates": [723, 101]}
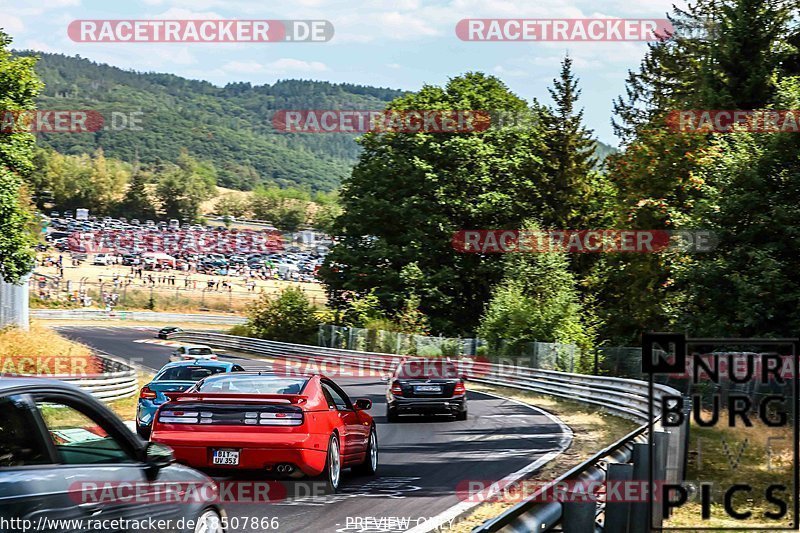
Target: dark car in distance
{"type": "Point", "coordinates": [164, 333]}
{"type": "Point", "coordinates": [58, 445]}
{"type": "Point", "coordinates": [426, 386]}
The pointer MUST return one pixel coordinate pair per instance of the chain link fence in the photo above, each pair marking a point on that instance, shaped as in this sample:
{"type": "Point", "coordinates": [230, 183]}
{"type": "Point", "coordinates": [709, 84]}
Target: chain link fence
{"type": "Point", "coordinates": [542, 355]}
{"type": "Point", "coordinates": [383, 341]}
{"type": "Point", "coordinates": [621, 361]}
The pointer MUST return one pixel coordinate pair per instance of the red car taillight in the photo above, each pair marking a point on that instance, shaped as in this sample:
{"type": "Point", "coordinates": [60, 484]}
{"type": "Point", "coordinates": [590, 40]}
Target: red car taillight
{"type": "Point", "coordinates": [147, 394]}
{"type": "Point", "coordinates": [182, 417]}
{"type": "Point", "coordinates": [397, 390]}
{"type": "Point", "coordinates": [460, 389]}
{"type": "Point", "coordinates": [249, 418]}
{"type": "Point", "coordinates": [277, 419]}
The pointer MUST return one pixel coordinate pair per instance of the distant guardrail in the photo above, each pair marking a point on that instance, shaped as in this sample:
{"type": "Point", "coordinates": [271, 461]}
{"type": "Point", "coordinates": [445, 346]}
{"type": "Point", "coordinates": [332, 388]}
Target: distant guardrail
{"type": "Point", "coordinates": [622, 397]}
{"type": "Point", "coordinates": [136, 316]}
{"type": "Point", "coordinates": [117, 379]}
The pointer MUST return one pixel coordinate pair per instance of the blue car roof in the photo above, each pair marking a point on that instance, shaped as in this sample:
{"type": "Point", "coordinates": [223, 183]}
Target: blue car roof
{"type": "Point", "coordinates": [198, 362]}
{"type": "Point", "coordinates": [201, 362]}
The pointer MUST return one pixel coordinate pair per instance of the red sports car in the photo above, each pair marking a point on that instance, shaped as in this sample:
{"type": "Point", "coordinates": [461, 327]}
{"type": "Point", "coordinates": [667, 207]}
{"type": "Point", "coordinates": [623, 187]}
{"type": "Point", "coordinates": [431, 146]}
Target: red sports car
{"type": "Point", "coordinates": [291, 426]}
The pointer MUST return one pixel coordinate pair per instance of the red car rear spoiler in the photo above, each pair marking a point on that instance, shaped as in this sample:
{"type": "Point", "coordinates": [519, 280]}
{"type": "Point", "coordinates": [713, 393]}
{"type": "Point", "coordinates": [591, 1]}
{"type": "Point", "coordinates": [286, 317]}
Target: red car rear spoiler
{"type": "Point", "coordinates": [242, 398]}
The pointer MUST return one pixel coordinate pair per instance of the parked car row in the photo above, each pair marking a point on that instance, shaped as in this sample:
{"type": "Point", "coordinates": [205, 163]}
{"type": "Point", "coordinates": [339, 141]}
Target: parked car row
{"type": "Point", "coordinates": [205, 249]}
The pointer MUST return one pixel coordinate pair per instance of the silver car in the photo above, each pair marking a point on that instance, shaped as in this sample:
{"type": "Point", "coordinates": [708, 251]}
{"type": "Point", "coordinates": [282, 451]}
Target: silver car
{"type": "Point", "coordinates": [58, 445]}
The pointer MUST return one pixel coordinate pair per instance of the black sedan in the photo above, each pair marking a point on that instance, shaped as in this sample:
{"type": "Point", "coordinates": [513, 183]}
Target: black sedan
{"type": "Point", "coordinates": [164, 333]}
{"type": "Point", "coordinates": [426, 386]}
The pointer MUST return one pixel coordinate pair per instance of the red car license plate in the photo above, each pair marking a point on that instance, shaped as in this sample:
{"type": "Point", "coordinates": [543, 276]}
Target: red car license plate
{"type": "Point", "coordinates": [225, 457]}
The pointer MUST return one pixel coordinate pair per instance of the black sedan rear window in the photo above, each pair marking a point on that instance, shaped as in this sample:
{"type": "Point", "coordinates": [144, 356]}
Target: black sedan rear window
{"type": "Point", "coordinates": [427, 368]}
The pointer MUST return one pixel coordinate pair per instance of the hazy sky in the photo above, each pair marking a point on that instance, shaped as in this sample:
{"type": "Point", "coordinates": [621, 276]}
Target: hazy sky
{"type": "Point", "coordinates": [400, 44]}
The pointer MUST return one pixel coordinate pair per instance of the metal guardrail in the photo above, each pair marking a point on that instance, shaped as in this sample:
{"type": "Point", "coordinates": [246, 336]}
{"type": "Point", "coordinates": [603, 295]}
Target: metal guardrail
{"type": "Point", "coordinates": [136, 316]}
{"type": "Point", "coordinates": [622, 397]}
{"type": "Point", "coordinates": [109, 387]}
{"type": "Point", "coordinates": [117, 379]}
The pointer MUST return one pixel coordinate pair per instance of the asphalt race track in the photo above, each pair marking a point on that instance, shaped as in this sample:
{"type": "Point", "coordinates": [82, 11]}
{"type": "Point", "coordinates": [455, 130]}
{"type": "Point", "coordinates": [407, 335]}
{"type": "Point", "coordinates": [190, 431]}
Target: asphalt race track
{"type": "Point", "coordinates": [422, 459]}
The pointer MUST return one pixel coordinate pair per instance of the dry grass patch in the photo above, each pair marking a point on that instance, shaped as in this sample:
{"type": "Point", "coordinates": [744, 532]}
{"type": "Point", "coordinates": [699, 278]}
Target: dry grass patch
{"type": "Point", "coordinates": [714, 456]}
{"type": "Point", "coordinates": [39, 341]}
{"type": "Point", "coordinates": [43, 351]}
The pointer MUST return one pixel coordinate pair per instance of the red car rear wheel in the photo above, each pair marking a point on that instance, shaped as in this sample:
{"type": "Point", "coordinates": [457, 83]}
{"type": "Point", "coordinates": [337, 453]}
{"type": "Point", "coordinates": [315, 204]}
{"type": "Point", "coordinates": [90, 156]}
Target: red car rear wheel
{"type": "Point", "coordinates": [333, 466]}
{"type": "Point", "coordinates": [370, 465]}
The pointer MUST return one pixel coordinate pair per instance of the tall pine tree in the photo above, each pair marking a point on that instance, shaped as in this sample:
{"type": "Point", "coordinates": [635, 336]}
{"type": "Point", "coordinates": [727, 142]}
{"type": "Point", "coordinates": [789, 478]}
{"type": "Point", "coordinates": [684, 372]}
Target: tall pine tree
{"type": "Point", "coordinates": [724, 54]}
{"type": "Point", "coordinates": [570, 155]}
{"type": "Point", "coordinates": [138, 202]}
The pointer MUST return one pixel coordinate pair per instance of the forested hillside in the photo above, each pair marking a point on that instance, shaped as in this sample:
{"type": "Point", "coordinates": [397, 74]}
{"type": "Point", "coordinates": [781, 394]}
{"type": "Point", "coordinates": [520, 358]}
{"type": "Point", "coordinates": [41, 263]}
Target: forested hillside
{"type": "Point", "coordinates": [229, 127]}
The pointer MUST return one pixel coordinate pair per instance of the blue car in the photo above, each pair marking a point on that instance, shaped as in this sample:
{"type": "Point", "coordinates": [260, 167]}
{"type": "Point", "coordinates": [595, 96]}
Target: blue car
{"type": "Point", "coordinates": [173, 377]}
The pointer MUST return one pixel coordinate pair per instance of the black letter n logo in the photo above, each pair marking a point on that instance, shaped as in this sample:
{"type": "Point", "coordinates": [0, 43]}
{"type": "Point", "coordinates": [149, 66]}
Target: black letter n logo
{"type": "Point", "coordinates": [659, 348]}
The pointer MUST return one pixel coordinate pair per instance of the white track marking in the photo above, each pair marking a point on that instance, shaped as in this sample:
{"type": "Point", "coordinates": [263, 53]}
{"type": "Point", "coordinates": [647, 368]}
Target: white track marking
{"type": "Point", "coordinates": [445, 517]}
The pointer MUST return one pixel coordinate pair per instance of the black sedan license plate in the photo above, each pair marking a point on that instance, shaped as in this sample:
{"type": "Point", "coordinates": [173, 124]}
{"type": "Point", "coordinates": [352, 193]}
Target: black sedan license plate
{"type": "Point", "coordinates": [428, 389]}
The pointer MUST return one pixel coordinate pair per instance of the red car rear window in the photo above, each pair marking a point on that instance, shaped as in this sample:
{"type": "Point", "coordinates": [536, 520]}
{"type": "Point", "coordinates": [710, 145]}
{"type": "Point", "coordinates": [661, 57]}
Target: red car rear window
{"type": "Point", "coordinates": [253, 384]}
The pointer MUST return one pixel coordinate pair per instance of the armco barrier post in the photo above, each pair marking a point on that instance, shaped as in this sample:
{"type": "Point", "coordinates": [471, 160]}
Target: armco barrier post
{"type": "Point", "coordinates": [661, 445]}
{"type": "Point", "coordinates": [616, 516]}
{"type": "Point", "coordinates": [578, 516]}
{"type": "Point", "coordinates": [637, 520]}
